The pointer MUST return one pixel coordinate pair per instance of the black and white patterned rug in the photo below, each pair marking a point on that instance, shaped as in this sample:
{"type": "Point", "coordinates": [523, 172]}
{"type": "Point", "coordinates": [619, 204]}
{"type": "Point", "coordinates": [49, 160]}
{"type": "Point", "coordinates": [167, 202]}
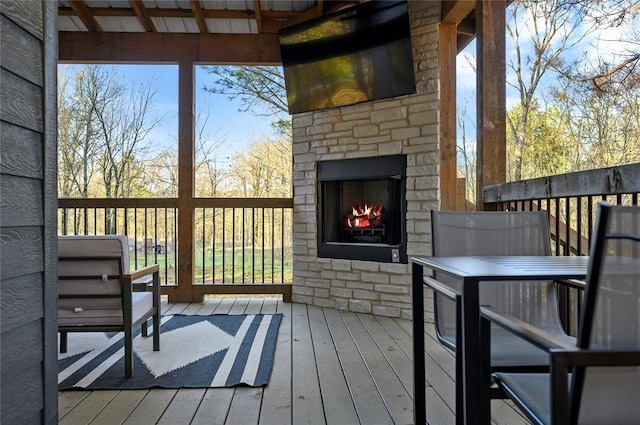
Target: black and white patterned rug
{"type": "Point", "coordinates": [195, 352]}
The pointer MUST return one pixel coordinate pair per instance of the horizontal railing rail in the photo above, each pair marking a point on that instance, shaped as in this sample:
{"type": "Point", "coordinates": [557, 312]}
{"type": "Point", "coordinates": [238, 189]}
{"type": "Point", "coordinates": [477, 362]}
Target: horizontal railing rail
{"type": "Point", "coordinates": [570, 201]}
{"type": "Point", "coordinates": [236, 240]}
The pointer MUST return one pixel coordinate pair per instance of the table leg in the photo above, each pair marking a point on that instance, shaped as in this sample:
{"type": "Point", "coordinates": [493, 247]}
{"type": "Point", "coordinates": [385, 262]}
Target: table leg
{"type": "Point", "coordinates": [419, 402]}
{"type": "Point", "coordinates": [473, 413]}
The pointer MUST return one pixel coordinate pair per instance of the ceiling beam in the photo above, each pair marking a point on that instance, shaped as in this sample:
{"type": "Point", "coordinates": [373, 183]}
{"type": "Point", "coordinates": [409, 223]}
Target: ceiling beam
{"type": "Point", "coordinates": [148, 47]}
{"type": "Point", "coordinates": [467, 27]}
{"type": "Point", "coordinates": [82, 11]}
{"type": "Point", "coordinates": [199, 15]}
{"type": "Point", "coordinates": [258, 11]}
{"type": "Point", "coordinates": [143, 15]}
{"type": "Point", "coordinates": [454, 11]}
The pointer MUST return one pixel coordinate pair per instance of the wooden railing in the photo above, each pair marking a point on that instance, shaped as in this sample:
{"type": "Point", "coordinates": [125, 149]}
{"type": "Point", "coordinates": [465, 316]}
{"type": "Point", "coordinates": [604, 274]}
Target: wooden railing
{"type": "Point", "coordinates": [244, 243]}
{"type": "Point", "coordinates": [570, 201]}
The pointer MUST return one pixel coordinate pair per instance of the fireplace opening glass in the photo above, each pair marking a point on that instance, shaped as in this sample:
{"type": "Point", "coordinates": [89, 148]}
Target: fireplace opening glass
{"type": "Point", "coordinates": [362, 211]}
{"type": "Point", "coordinates": [362, 208]}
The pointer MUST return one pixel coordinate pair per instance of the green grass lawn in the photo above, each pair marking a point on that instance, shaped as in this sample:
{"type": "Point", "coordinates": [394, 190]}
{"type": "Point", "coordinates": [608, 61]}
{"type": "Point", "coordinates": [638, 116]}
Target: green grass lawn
{"type": "Point", "coordinates": [259, 265]}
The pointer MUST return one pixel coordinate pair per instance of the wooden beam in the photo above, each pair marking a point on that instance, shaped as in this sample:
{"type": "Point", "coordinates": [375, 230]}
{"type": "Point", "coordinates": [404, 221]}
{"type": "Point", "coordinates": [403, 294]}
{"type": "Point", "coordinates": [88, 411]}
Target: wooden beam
{"type": "Point", "coordinates": [454, 11]}
{"type": "Point", "coordinates": [467, 27]}
{"type": "Point", "coordinates": [491, 96]}
{"type": "Point", "coordinates": [258, 11]}
{"type": "Point", "coordinates": [143, 15]}
{"type": "Point", "coordinates": [186, 183]}
{"type": "Point", "coordinates": [103, 47]}
{"type": "Point", "coordinates": [199, 15]}
{"type": "Point", "coordinates": [447, 50]}
{"type": "Point", "coordinates": [83, 12]}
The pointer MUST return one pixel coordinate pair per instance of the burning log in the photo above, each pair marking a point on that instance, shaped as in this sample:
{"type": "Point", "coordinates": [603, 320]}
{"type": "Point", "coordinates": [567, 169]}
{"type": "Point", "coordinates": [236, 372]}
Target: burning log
{"type": "Point", "coordinates": [364, 216]}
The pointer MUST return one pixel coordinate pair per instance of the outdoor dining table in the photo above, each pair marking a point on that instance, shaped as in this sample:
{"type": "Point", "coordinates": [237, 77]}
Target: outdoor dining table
{"type": "Point", "coordinates": [471, 271]}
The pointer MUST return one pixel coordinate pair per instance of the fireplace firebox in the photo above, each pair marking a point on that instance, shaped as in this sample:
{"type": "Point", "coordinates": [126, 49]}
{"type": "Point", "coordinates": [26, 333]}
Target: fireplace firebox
{"type": "Point", "coordinates": [362, 209]}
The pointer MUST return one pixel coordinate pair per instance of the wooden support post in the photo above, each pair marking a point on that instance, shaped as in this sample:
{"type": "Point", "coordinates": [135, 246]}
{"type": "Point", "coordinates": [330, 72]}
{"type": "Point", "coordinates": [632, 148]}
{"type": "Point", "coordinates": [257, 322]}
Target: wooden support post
{"type": "Point", "coordinates": [186, 159]}
{"type": "Point", "coordinates": [491, 96]}
{"type": "Point", "coordinates": [447, 50]}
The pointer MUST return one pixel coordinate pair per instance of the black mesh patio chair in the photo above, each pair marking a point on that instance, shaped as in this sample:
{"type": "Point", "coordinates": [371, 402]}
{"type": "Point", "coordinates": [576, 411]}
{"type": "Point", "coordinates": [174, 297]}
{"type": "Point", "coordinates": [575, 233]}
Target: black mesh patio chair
{"type": "Point", "coordinates": [597, 379]}
{"type": "Point", "coordinates": [493, 233]}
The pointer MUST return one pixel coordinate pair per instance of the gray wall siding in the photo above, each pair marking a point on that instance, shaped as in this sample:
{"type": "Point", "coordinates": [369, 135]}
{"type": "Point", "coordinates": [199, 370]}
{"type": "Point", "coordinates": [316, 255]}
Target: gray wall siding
{"type": "Point", "coordinates": [28, 202]}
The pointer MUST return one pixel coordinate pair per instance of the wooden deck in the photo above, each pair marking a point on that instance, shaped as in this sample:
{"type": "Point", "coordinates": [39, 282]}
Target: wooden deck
{"type": "Point", "coordinates": [331, 367]}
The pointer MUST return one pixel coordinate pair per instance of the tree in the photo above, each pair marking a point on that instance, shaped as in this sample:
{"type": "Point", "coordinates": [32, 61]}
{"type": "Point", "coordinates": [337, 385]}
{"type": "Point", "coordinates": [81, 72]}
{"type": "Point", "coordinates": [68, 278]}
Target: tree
{"type": "Point", "coordinates": [608, 15]}
{"type": "Point", "coordinates": [77, 140]}
{"type": "Point", "coordinates": [123, 123]}
{"type": "Point", "coordinates": [103, 128]}
{"type": "Point", "coordinates": [602, 124]}
{"type": "Point", "coordinates": [260, 89]}
{"type": "Point", "coordinates": [547, 152]}
{"type": "Point", "coordinates": [264, 169]}
{"type": "Point", "coordinates": [468, 154]}
{"type": "Point", "coordinates": [552, 31]}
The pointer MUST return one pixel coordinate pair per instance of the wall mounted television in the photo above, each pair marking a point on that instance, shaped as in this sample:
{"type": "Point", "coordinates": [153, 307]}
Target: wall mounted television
{"type": "Point", "coordinates": [353, 55]}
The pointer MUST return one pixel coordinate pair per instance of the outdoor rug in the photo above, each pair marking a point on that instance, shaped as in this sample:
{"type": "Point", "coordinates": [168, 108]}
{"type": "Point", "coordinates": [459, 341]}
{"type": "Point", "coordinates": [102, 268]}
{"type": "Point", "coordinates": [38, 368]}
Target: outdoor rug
{"type": "Point", "coordinates": [195, 352]}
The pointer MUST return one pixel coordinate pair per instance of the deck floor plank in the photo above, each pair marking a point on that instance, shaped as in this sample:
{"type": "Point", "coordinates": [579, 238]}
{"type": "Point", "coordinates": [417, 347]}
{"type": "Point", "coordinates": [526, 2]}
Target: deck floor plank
{"type": "Point", "coordinates": [398, 402]}
{"type": "Point", "coordinates": [245, 406]}
{"type": "Point", "coordinates": [89, 408]}
{"type": "Point", "coordinates": [306, 396]}
{"type": "Point", "coordinates": [276, 402]}
{"type": "Point", "coordinates": [68, 400]}
{"type": "Point", "coordinates": [183, 407]}
{"type": "Point", "coordinates": [120, 407]}
{"type": "Point", "coordinates": [368, 401]}
{"type": "Point", "coordinates": [214, 407]}
{"type": "Point", "coordinates": [240, 306]}
{"type": "Point", "coordinates": [208, 306]}
{"type": "Point", "coordinates": [337, 400]}
{"type": "Point", "coordinates": [151, 408]}
{"type": "Point", "coordinates": [225, 306]}
{"type": "Point", "coordinates": [254, 306]}
{"type": "Point", "coordinates": [331, 367]}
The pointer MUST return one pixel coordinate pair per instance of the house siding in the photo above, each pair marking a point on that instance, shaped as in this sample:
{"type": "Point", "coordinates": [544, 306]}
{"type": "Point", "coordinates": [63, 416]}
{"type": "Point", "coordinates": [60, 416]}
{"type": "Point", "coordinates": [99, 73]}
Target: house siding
{"type": "Point", "coordinates": [405, 125]}
{"type": "Point", "coordinates": [28, 203]}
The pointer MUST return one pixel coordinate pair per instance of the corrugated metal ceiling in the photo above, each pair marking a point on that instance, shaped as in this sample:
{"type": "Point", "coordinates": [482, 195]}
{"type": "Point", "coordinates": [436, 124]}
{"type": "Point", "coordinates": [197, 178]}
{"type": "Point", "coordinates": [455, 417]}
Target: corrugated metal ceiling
{"type": "Point", "coordinates": [181, 16]}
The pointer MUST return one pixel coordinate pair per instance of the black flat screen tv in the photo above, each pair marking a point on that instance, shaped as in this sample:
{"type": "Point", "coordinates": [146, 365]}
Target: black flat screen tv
{"type": "Point", "coordinates": [354, 55]}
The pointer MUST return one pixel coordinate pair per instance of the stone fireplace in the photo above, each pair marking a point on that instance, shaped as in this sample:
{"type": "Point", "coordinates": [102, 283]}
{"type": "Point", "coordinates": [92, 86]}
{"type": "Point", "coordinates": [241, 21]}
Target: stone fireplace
{"type": "Point", "coordinates": [404, 127]}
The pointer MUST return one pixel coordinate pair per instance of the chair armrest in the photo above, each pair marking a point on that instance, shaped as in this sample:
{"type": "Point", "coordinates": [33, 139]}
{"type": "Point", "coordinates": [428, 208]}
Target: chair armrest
{"type": "Point", "coordinates": [595, 357]}
{"type": "Point", "coordinates": [526, 331]}
{"type": "Point", "coordinates": [137, 274]}
{"type": "Point", "coordinates": [154, 270]}
{"type": "Point", "coordinates": [573, 283]}
{"type": "Point", "coordinates": [441, 288]}
{"type": "Point", "coordinates": [563, 352]}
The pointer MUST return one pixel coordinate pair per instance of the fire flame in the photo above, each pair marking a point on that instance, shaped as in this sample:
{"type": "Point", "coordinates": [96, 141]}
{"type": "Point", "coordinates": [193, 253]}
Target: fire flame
{"type": "Point", "coordinates": [365, 216]}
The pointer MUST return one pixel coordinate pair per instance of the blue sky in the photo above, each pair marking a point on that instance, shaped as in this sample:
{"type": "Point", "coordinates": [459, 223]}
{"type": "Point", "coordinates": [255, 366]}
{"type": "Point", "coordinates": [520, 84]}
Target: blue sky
{"type": "Point", "coordinates": [236, 129]}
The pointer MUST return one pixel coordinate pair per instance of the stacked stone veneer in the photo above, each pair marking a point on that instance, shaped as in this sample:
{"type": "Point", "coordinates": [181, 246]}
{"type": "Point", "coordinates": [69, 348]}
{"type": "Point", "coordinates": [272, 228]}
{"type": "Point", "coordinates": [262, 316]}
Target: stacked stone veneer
{"type": "Point", "coordinates": [404, 125]}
